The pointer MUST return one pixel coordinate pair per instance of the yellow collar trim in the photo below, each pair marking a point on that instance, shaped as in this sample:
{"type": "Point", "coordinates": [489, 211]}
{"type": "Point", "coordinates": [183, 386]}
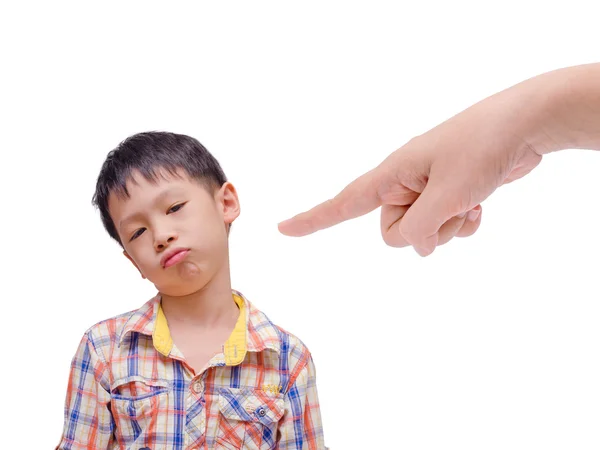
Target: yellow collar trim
{"type": "Point", "coordinates": [161, 337]}
{"type": "Point", "coordinates": [234, 348]}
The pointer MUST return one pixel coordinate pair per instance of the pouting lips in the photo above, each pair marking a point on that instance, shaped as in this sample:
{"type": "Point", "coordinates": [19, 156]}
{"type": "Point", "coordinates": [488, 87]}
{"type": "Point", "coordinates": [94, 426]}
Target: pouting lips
{"type": "Point", "coordinates": [177, 257]}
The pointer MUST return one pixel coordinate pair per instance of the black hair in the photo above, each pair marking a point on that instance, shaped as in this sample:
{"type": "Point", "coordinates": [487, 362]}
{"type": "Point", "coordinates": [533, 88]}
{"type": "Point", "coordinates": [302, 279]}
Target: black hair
{"type": "Point", "coordinates": [147, 152]}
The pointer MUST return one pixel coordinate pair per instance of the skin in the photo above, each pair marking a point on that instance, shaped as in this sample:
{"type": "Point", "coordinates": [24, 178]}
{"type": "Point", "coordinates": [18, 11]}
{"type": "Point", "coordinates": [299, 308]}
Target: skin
{"type": "Point", "coordinates": [196, 292]}
{"type": "Point", "coordinates": [431, 189]}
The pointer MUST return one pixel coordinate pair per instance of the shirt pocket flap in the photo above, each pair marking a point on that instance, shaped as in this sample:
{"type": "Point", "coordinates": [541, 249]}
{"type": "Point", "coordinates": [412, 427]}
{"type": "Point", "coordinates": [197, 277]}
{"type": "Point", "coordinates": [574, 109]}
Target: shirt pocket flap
{"type": "Point", "coordinates": [251, 405]}
{"type": "Point", "coordinates": [136, 387]}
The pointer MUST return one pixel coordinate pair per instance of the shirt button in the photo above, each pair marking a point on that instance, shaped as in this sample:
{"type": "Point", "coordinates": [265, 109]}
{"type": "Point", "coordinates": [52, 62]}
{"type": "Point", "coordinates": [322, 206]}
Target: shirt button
{"type": "Point", "coordinates": [197, 387]}
{"type": "Point", "coordinates": [261, 412]}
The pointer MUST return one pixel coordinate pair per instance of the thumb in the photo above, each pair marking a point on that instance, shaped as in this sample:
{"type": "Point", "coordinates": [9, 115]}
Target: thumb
{"type": "Point", "coordinates": [437, 204]}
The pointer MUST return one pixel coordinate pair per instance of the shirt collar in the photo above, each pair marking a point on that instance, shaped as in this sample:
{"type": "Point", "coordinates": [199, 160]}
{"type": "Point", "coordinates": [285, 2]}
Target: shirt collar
{"type": "Point", "coordinates": [253, 331]}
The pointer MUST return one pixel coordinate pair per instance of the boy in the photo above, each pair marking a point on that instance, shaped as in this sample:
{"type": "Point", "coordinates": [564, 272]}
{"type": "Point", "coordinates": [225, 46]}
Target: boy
{"type": "Point", "coordinates": [197, 366]}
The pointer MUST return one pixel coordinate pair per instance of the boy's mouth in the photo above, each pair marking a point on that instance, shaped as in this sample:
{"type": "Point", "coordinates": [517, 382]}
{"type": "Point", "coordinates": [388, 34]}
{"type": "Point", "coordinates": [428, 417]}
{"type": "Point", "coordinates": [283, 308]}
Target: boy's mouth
{"type": "Point", "coordinates": [174, 256]}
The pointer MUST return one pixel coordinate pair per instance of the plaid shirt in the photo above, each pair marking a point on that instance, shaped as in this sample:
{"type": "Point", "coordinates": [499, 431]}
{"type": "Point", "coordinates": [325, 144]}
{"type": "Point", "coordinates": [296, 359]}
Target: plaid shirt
{"type": "Point", "coordinates": [130, 389]}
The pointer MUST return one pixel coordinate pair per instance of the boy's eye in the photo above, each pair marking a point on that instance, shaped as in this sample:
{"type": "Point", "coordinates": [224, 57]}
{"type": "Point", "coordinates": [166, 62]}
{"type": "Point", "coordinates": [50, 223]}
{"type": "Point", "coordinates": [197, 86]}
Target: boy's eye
{"type": "Point", "coordinates": [138, 232]}
{"type": "Point", "coordinates": [177, 206]}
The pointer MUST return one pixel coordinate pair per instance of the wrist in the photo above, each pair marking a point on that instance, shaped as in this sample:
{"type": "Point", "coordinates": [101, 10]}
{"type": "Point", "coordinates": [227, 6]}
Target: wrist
{"type": "Point", "coordinates": [561, 109]}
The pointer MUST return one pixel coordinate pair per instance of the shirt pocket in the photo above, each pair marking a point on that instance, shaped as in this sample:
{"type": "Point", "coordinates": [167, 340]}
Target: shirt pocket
{"type": "Point", "coordinates": [248, 418]}
{"type": "Point", "coordinates": [138, 406]}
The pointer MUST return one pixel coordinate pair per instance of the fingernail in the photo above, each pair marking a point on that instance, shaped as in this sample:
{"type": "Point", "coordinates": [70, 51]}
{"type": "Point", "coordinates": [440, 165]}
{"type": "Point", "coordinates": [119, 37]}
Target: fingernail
{"type": "Point", "coordinates": [420, 251]}
{"type": "Point", "coordinates": [427, 246]}
{"type": "Point", "coordinates": [473, 215]}
{"type": "Point", "coordinates": [462, 215]}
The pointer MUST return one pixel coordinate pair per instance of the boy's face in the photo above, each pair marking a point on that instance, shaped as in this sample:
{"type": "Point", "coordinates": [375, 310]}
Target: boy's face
{"type": "Point", "coordinates": [175, 213]}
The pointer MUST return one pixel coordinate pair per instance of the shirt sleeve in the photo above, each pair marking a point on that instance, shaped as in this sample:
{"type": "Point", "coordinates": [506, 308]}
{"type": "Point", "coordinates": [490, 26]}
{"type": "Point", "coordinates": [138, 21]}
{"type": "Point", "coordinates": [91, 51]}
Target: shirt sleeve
{"type": "Point", "coordinates": [300, 427]}
{"type": "Point", "coordinates": [88, 422]}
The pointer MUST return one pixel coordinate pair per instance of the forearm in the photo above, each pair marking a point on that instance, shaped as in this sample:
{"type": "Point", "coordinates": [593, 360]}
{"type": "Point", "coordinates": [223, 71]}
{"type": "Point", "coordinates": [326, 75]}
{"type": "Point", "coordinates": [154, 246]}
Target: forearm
{"type": "Point", "coordinates": [561, 109]}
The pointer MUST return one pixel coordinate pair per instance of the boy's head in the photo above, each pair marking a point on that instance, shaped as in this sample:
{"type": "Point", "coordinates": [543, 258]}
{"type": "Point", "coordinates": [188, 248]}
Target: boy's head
{"type": "Point", "coordinates": [158, 191]}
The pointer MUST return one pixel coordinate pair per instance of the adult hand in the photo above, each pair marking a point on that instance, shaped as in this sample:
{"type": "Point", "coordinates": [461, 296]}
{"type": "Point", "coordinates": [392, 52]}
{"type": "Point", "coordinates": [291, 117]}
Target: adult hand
{"type": "Point", "coordinates": [430, 190]}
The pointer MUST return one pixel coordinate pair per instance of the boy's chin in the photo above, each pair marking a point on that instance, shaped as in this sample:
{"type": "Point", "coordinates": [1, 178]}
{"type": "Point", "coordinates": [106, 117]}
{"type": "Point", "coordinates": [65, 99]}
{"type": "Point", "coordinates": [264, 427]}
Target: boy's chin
{"type": "Point", "coordinates": [182, 288]}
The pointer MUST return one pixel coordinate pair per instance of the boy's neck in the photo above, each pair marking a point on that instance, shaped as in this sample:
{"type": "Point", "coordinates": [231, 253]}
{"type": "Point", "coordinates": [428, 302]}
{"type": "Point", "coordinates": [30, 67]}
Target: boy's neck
{"type": "Point", "coordinates": [210, 307]}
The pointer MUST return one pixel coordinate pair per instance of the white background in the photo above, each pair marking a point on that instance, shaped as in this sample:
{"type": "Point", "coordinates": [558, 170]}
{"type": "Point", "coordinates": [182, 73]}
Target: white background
{"type": "Point", "coordinates": [492, 342]}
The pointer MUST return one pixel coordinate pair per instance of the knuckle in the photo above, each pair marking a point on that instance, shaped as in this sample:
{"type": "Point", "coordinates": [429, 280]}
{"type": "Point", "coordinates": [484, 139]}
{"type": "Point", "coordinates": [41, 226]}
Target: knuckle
{"type": "Point", "coordinates": [342, 210]}
{"type": "Point", "coordinates": [394, 241]}
{"type": "Point", "coordinates": [409, 233]}
{"type": "Point", "coordinates": [392, 237]}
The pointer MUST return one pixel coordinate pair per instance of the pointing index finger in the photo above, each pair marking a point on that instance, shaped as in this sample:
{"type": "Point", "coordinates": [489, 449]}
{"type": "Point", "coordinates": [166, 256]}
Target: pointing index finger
{"type": "Point", "coordinates": [356, 199]}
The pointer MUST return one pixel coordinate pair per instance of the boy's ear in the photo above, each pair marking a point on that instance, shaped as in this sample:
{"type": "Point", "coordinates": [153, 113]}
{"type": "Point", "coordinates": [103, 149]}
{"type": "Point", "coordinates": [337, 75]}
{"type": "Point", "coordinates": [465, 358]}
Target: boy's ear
{"type": "Point", "coordinates": [133, 262]}
{"type": "Point", "coordinates": [230, 202]}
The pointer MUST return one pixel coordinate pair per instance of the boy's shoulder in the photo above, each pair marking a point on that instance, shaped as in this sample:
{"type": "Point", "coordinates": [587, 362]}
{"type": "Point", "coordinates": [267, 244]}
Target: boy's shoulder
{"type": "Point", "coordinates": [112, 329]}
{"type": "Point", "coordinates": [261, 328]}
